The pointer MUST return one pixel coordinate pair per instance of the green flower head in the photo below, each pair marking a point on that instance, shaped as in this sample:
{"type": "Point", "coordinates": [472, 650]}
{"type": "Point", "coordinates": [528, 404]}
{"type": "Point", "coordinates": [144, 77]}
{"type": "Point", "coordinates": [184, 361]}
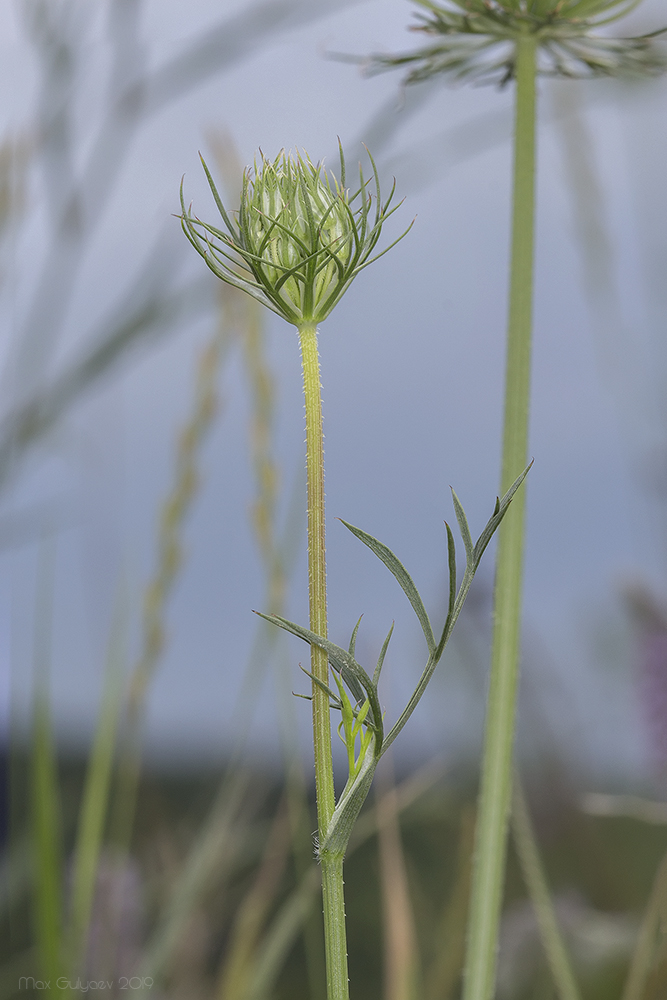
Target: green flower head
{"type": "Point", "coordinates": [299, 237]}
{"type": "Point", "coordinates": [476, 39]}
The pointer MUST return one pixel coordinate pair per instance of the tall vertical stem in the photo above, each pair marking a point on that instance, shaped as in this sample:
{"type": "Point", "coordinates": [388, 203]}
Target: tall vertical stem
{"type": "Point", "coordinates": [332, 866]}
{"type": "Point", "coordinates": [496, 782]}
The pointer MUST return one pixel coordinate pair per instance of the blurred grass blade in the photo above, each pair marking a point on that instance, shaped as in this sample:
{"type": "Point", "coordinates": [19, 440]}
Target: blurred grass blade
{"type": "Point", "coordinates": [402, 972]}
{"type": "Point", "coordinates": [282, 934]}
{"type": "Point", "coordinates": [214, 852]}
{"type": "Point", "coordinates": [175, 509]}
{"type": "Point", "coordinates": [251, 916]}
{"type": "Point", "coordinates": [45, 795]}
{"type": "Point", "coordinates": [29, 421]}
{"type": "Point", "coordinates": [223, 45]}
{"type": "Point", "coordinates": [644, 953]}
{"type": "Point", "coordinates": [47, 845]}
{"type": "Point", "coordinates": [95, 799]}
{"type": "Point", "coordinates": [527, 850]}
{"type": "Point", "coordinates": [447, 967]}
{"type": "Point", "coordinates": [211, 856]}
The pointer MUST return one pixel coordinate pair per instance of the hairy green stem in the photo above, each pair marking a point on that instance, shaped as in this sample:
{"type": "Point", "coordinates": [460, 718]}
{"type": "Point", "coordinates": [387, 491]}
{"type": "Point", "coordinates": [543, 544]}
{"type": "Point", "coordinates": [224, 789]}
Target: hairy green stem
{"type": "Point", "coordinates": [496, 782]}
{"type": "Point", "coordinates": [332, 865]}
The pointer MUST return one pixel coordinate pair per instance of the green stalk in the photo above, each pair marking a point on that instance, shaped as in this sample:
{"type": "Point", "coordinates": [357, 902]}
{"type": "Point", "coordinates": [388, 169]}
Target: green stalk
{"type": "Point", "coordinates": [496, 782]}
{"type": "Point", "coordinates": [332, 865]}
{"type": "Point", "coordinates": [94, 807]}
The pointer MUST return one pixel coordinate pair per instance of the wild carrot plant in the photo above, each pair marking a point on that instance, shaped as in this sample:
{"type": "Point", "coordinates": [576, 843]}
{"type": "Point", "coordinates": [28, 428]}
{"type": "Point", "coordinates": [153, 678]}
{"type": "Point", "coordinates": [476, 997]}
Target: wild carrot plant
{"type": "Point", "coordinates": [505, 41]}
{"type": "Point", "coordinates": [296, 243]}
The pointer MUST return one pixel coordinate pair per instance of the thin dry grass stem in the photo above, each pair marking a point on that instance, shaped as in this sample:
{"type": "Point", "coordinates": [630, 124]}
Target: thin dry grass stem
{"type": "Point", "coordinates": [15, 155]}
{"type": "Point", "coordinates": [535, 878]}
{"type": "Point", "coordinates": [46, 819]}
{"type": "Point", "coordinates": [94, 803]}
{"type": "Point", "coordinates": [262, 392]}
{"type": "Point", "coordinates": [588, 209]}
{"type": "Point", "coordinates": [402, 970]}
{"type": "Point", "coordinates": [282, 935]}
{"type": "Point", "coordinates": [208, 864]}
{"type": "Point", "coordinates": [169, 559]}
{"type": "Point", "coordinates": [446, 970]}
{"type": "Point", "coordinates": [238, 964]}
{"type": "Point", "coordinates": [600, 265]}
{"type": "Point", "coordinates": [210, 858]}
{"type": "Point", "coordinates": [248, 321]}
{"type": "Point", "coordinates": [633, 806]}
{"type": "Point", "coordinates": [176, 509]}
{"type": "Point", "coordinates": [647, 953]}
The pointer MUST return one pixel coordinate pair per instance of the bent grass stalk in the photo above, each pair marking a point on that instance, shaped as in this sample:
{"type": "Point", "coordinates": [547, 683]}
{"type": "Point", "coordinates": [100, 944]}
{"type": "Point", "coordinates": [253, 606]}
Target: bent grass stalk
{"type": "Point", "coordinates": [535, 879]}
{"type": "Point", "coordinates": [174, 511]}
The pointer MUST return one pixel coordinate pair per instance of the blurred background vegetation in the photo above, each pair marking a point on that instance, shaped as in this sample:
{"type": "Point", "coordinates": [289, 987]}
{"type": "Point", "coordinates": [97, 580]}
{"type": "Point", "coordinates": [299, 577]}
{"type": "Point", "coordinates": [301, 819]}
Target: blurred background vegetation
{"type": "Point", "coordinates": [158, 814]}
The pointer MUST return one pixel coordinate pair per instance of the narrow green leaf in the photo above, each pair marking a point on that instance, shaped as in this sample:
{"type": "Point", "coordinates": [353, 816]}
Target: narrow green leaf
{"type": "Point", "coordinates": [342, 164]}
{"type": "Point", "coordinates": [325, 687]}
{"type": "Point", "coordinates": [306, 697]}
{"type": "Point", "coordinates": [218, 199]}
{"type": "Point", "coordinates": [383, 653]}
{"type": "Point", "coordinates": [501, 508]}
{"type": "Point", "coordinates": [463, 528]}
{"type": "Point", "coordinates": [339, 658]}
{"type": "Point", "coordinates": [456, 600]}
{"type": "Point", "coordinates": [95, 803]}
{"type": "Point", "coordinates": [451, 561]}
{"type": "Point", "coordinates": [361, 716]}
{"type": "Point", "coordinates": [398, 570]}
{"type": "Point", "coordinates": [352, 672]}
{"type": "Point", "coordinates": [347, 724]}
{"type": "Point", "coordinates": [353, 640]}
{"type": "Point", "coordinates": [346, 709]}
